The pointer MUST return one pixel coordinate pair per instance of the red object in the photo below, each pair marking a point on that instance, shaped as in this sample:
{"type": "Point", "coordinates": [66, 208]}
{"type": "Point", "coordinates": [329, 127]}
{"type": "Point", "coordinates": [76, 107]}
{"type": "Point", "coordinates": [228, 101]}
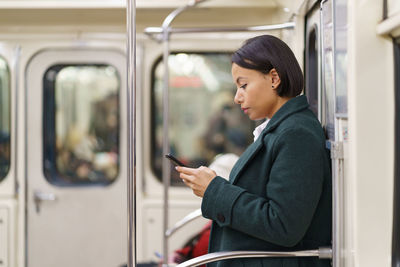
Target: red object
{"type": "Point", "coordinates": [196, 246]}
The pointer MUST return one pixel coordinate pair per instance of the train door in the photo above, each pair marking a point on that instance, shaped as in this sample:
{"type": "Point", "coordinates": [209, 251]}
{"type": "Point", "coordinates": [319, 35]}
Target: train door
{"type": "Point", "coordinates": [75, 156]}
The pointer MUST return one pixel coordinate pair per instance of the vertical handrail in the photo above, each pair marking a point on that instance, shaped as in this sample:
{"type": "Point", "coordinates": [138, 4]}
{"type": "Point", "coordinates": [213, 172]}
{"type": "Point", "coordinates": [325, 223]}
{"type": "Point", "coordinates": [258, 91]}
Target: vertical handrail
{"type": "Point", "coordinates": [166, 175]}
{"type": "Point", "coordinates": [336, 147]}
{"type": "Point", "coordinates": [131, 108]}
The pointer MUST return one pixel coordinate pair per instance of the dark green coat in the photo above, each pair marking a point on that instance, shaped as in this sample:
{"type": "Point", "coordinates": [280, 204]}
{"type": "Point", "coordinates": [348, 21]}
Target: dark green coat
{"type": "Point", "coordinates": [278, 197]}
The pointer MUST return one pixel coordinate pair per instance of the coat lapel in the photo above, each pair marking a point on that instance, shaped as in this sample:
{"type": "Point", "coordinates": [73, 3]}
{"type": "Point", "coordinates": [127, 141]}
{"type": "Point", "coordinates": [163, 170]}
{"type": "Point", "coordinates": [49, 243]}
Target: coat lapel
{"type": "Point", "coordinates": [294, 105]}
{"type": "Point", "coordinates": [247, 155]}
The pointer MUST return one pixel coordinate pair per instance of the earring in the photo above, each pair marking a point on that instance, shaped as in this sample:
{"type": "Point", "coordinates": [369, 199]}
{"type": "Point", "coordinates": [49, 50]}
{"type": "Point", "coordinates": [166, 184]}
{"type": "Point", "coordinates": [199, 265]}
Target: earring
{"type": "Point", "coordinates": [272, 87]}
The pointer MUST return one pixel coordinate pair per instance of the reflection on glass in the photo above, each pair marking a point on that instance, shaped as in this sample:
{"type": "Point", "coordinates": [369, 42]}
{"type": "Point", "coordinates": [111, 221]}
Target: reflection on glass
{"type": "Point", "coordinates": [204, 121]}
{"type": "Point", "coordinates": [341, 57]}
{"type": "Point", "coordinates": [86, 124]}
{"type": "Point", "coordinates": [4, 119]}
{"type": "Point", "coordinates": [311, 89]}
{"type": "Point", "coordinates": [328, 70]}
{"type": "Point", "coordinates": [329, 95]}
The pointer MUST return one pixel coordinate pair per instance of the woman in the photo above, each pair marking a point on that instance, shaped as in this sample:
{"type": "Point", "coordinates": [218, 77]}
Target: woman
{"type": "Point", "coordinates": [278, 197]}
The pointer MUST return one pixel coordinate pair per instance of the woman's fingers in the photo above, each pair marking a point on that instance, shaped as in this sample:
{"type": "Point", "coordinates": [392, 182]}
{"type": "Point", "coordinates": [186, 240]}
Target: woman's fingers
{"type": "Point", "coordinates": [185, 170]}
{"type": "Point", "coordinates": [186, 176]}
{"type": "Point", "coordinates": [187, 183]}
{"type": "Point", "coordinates": [197, 179]}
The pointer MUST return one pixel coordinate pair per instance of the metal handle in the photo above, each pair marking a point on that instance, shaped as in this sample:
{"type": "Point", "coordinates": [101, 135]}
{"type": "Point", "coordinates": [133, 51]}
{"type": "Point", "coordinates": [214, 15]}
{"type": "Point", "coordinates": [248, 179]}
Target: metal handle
{"type": "Point", "coordinates": [322, 253]}
{"type": "Point", "coordinates": [188, 218]}
{"type": "Point", "coordinates": [39, 197]}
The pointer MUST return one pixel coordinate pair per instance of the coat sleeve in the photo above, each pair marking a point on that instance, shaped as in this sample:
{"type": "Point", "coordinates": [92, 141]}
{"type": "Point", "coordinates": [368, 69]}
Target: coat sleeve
{"type": "Point", "coordinates": [293, 191]}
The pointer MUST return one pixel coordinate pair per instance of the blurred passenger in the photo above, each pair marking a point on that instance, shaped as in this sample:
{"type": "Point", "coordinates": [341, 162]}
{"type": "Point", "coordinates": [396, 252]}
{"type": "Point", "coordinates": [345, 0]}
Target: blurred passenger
{"type": "Point", "coordinates": [90, 154]}
{"type": "Point", "coordinates": [104, 124]}
{"type": "Point", "coordinates": [226, 131]}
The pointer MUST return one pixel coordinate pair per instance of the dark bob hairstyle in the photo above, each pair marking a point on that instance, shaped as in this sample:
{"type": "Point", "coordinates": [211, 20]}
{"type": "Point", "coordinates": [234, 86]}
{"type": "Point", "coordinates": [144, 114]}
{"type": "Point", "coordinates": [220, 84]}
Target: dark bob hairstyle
{"type": "Point", "coordinates": [265, 52]}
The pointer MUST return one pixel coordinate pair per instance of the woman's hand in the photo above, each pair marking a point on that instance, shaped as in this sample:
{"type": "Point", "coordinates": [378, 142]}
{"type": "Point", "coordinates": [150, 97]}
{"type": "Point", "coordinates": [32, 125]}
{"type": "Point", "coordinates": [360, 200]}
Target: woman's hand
{"type": "Point", "coordinates": [197, 179]}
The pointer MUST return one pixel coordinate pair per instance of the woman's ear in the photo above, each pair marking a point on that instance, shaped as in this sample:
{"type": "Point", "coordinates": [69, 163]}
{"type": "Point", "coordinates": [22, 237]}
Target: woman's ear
{"type": "Point", "coordinates": [275, 79]}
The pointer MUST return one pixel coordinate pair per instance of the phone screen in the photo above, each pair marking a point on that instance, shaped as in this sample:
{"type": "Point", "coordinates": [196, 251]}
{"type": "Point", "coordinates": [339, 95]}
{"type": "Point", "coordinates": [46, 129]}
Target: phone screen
{"type": "Point", "coordinates": [175, 160]}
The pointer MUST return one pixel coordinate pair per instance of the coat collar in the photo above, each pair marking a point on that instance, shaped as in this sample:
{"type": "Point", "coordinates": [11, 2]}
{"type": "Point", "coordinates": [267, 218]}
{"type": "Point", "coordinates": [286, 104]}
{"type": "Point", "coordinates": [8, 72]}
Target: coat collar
{"type": "Point", "coordinates": [292, 106]}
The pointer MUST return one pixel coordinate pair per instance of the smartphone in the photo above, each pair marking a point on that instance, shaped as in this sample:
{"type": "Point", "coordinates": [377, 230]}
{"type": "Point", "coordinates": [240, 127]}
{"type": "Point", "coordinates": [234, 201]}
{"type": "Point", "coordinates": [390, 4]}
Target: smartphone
{"type": "Point", "coordinates": [175, 160]}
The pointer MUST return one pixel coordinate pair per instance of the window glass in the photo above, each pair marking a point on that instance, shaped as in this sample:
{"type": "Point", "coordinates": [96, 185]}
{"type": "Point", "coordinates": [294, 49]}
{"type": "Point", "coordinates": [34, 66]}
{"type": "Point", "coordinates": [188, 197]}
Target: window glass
{"type": "Point", "coordinates": [341, 57]}
{"type": "Point", "coordinates": [328, 70]}
{"type": "Point", "coordinates": [4, 119]}
{"type": "Point", "coordinates": [81, 124]}
{"type": "Point", "coordinates": [204, 121]}
{"type": "Point", "coordinates": [311, 89]}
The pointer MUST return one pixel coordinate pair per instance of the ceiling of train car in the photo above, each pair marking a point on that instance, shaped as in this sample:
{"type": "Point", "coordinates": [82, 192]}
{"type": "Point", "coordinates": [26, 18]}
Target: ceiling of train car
{"type": "Point", "coordinates": [149, 12]}
{"type": "Point", "coordinates": [145, 3]}
{"type": "Point", "coordinates": [289, 6]}
{"type": "Point", "coordinates": [206, 3]}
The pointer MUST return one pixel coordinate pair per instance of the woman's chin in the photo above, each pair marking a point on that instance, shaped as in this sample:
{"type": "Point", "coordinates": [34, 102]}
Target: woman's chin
{"type": "Point", "coordinates": [255, 118]}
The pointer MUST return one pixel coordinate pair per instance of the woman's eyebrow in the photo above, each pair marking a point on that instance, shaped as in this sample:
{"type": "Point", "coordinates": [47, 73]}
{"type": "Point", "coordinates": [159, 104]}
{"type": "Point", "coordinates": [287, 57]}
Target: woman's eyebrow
{"type": "Point", "coordinates": [239, 78]}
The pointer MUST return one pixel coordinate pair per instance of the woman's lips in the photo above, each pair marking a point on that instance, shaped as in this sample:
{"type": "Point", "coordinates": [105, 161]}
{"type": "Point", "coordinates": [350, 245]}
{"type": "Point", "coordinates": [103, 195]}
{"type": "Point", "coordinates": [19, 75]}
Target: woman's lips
{"type": "Point", "coordinates": [245, 110]}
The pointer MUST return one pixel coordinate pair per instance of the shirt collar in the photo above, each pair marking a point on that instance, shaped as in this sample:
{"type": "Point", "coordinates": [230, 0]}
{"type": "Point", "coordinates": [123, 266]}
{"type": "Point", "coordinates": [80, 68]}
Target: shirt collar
{"type": "Point", "coordinates": [257, 131]}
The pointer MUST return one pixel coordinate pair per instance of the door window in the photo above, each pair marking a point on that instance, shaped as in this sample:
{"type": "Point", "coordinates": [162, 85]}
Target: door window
{"type": "Point", "coordinates": [328, 78]}
{"type": "Point", "coordinates": [81, 124]}
{"type": "Point", "coordinates": [204, 121]}
{"type": "Point", "coordinates": [341, 30]}
{"type": "Point", "coordinates": [4, 119]}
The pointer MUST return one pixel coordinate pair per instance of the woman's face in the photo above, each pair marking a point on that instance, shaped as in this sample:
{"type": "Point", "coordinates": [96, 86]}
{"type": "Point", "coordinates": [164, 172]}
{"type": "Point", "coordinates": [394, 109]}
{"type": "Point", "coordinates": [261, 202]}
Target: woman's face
{"type": "Point", "coordinates": [255, 93]}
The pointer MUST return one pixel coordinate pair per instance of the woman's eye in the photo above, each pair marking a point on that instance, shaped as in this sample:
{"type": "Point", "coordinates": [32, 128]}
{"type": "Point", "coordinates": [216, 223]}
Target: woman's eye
{"type": "Point", "coordinates": [243, 86]}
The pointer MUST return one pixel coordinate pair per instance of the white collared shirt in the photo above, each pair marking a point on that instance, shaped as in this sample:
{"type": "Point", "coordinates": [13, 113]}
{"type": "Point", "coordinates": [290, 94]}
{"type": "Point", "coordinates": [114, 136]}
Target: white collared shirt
{"type": "Point", "coordinates": [257, 131]}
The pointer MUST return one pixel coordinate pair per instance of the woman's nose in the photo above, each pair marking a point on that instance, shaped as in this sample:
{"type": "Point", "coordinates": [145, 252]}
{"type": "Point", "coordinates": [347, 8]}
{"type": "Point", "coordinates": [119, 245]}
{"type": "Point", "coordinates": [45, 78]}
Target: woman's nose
{"type": "Point", "coordinates": [238, 99]}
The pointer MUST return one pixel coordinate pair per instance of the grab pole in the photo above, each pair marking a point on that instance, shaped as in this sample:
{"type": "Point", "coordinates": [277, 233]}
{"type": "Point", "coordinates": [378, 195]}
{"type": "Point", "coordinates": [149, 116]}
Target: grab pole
{"type": "Point", "coordinates": [166, 175]}
{"type": "Point", "coordinates": [131, 108]}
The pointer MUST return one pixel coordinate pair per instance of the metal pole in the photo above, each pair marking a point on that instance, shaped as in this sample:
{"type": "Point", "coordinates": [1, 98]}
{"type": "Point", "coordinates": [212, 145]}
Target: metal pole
{"type": "Point", "coordinates": [166, 174]}
{"type": "Point", "coordinates": [336, 146]}
{"type": "Point", "coordinates": [131, 108]}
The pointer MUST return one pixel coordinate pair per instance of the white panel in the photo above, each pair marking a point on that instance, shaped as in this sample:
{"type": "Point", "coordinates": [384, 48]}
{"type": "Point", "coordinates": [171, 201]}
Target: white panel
{"type": "Point", "coordinates": [371, 134]}
{"type": "Point", "coordinates": [153, 224]}
{"type": "Point", "coordinates": [4, 237]}
{"type": "Point", "coordinates": [393, 7]}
